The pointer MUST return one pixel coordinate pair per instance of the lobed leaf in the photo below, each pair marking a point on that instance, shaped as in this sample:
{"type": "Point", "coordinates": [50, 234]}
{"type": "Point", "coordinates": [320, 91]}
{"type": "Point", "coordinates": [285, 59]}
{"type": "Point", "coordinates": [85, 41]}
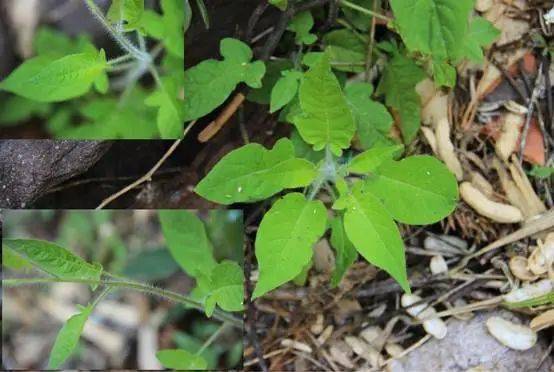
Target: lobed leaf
{"type": "Point", "coordinates": [416, 190]}
{"type": "Point", "coordinates": [68, 337]}
{"type": "Point", "coordinates": [433, 27]}
{"type": "Point", "coordinates": [369, 160]}
{"type": "Point", "coordinates": [53, 259]}
{"type": "Point", "coordinates": [226, 288]}
{"type": "Point", "coordinates": [301, 25]}
{"type": "Point", "coordinates": [253, 173]}
{"type": "Point", "coordinates": [373, 120]}
{"type": "Point", "coordinates": [210, 83]}
{"type": "Point", "coordinates": [398, 85]}
{"type": "Point", "coordinates": [481, 34]}
{"type": "Point", "coordinates": [187, 241]}
{"type": "Point", "coordinates": [326, 119]}
{"type": "Point", "coordinates": [285, 238]}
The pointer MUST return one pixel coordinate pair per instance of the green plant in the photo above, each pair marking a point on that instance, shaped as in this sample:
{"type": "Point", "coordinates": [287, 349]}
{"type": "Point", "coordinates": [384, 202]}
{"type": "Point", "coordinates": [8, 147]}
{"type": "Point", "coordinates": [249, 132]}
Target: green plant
{"type": "Point", "coordinates": [71, 78]}
{"type": "Point", "coordinates": [373, 189]}
{"type": "Point", "coordinates": [219, 289]}
{"type": "Point", "coordinates": [365, 185]}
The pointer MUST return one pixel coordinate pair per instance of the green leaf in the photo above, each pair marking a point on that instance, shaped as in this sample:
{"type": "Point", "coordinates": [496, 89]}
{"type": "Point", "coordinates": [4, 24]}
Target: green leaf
{"type": "Point", "coordinates": [49, 41]}
{"type": "Point", "coordinates": [187, 241]}
{"type": "Point", "coordinates": [180, 359]}
{"type": "Point", "coordinates": [210, 83]}
{"type": "Point", "coordinates": [326, 119]}
{"type": "Point", "coordinates": [11, 260]}
{"type": "Point", "coordinates": [16, 109]}
{"type": "Point", "coordinates": [301, 25]}
{"type": "Point", "coordinates": [44, 80]}
{"type": "Point", "coordinates": [373, 120]}
{"type": "Point", "coordinates": [443, 74]}
{"type": "Point", "coordinates": [53, 259]}
{"type": "Point", "coordinates": [369, 160]}
{"type": "Point", "coordinates": [541, 172]}
{"type": "Point", "coordinates": [170, 115]}
{"type": "Point", "coordinates": [68, 337]}
{"type": "Point", "coordinates": [361, 21]}
{"type": "Point", "coordinates": [226, 288]}
{"type": "Point", "coordinates": [433, 27]}
{"type": "Point", "coordinates": [151, 265]}
{"type": "Point", "coordinates": [285, 238]}
{"type": "Point", "coordinates": [153, 24]}
{"type": "Point", "coordinates": [416, 190]}
{"type": "Point", "coordinates": [346, 49]}
{"type": "Point", "coordinates": [253, 173]}
{"type": "Point", "coordinates": [109, 118]}
{"type": "Point", "coordinates": [398, 85]}
{"type": "Point", "coordinates": [373, 232]}
{"type": "Point", "coordinates": [281, 4]}
{"type": "Point", "coordinates": [102, 83]}
{"type": "Point", "coordinates": [262, 95]}
{"type": "Point", "coordinates": [284, 90]}
{"type": "Point", "coordinates": [346, 253]}
{"type": "Point", "coordinates": [193, 344]}
{"type": "Point", "coordinates": [481, 34]}
{"type": "Point", "coordinates": [303, 150]}
{"type": "Point", "coordinates": [173, 21]}
{"type": "Point", "coordinates": [127, 11]}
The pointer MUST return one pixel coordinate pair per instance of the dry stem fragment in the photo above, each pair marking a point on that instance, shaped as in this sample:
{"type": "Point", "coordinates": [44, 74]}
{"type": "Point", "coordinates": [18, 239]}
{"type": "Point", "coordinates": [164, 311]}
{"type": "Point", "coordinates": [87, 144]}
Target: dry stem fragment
{"type": "Point", "coordinates": [445, 148]}
{"type": "Point", "coordinates": [543, 321]}
{"type": "Point", "coordinates": [541, 259]}
{"type": "Point", "coordinates": [514, 336]}
{"type": "Point", "coordinates": [509, 135]}
{"type": "Point", "coordinates": [520, 269]}
{"type": "Point", "coordinates": [300, 346]}
{"type": "Point", "coordinates": [530, 291]}
{"type": "Point", "coordinates": [481, 183]}
{"type": "Point", "coordinates": [498, 212]}
{"type": "Point", "coordinates": [365, 351]}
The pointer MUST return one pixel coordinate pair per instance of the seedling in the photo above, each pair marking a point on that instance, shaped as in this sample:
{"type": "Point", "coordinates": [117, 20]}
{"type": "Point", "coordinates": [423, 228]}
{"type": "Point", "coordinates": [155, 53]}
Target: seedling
{"type": "Point", "coordinates": [358, 195]}
{"type": "Point", "coordinates": [369, 191]}
{"type": "Point", "coordinates": [219, 289]}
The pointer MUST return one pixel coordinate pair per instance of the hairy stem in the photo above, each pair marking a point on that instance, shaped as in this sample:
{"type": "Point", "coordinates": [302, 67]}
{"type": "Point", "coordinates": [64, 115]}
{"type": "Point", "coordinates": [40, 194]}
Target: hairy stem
{"type": "Point", "coordinates": [121, 40]}
{"type": "Point", "coordinates": [120, 59]}
{"type": "Point", "coordinates": [141, 287]}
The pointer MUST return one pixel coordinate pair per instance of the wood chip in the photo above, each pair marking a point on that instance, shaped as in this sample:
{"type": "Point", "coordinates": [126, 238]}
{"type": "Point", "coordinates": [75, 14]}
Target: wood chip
{"type": "Point", "coordinates": [297, 345]}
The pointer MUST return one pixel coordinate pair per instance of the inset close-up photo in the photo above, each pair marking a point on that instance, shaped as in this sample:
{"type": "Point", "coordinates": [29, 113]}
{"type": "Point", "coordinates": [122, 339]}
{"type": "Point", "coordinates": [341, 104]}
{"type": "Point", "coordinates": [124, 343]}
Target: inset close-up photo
{"type": "Point", "coordinates": [92, 68]}
{"type": "Point", "coordinates": [101, 290]}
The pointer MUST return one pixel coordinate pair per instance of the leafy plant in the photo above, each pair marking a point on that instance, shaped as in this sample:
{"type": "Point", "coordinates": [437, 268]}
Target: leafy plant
{"type": "Point", "coordinates": [373, 188]}
{"type": "Point", "coordinates": [70, 78]}
{"type": "Point", "coordinates": [342, 142]}
{"type": "Point", "coordinates": [219, 288]}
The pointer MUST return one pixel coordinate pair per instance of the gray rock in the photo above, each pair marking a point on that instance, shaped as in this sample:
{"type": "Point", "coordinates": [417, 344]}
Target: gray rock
{"type": "Point", "coordinates": [468, 344]}
{"type": "Point", "coordinates": [28, 168]}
